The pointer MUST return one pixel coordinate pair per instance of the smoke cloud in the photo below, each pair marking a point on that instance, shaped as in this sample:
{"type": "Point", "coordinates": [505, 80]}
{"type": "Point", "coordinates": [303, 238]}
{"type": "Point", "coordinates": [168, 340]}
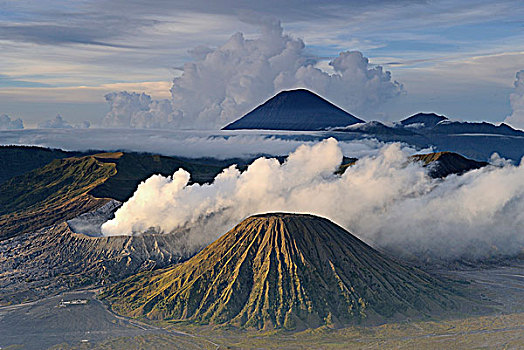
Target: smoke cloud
{"type": "Point", "coordinates": [220, 85]}
{"type": "Point", "coordinates": [516, 119]}
{"type": "Point", "coordinates": [6, 123]}
{"type": "Point", "coordinates": [384, 199]}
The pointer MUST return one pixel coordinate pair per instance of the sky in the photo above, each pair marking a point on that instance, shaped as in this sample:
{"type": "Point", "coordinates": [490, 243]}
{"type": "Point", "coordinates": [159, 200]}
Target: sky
{"type": "Point", "coordinates": [458, 58]}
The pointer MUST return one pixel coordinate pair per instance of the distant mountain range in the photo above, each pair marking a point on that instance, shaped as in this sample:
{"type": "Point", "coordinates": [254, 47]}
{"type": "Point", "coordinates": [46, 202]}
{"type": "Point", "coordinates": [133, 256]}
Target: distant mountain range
{"type": "Point", "coordinates": [477, 140]}
{"type": "Point", "coordinates": [426, 120]}
{"type": "Point", "coordinates": [302, 110]}
{"type": "Point", "coordinates": [287, 271]}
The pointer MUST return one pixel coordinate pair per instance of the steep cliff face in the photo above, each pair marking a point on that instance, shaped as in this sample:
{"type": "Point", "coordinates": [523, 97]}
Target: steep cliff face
{"type": "Point", "coordinates": [51, 194]}
{"type": "Point", "coordinates": [283, 271]}
{"type": "Point", "coordinates": [295, 110]}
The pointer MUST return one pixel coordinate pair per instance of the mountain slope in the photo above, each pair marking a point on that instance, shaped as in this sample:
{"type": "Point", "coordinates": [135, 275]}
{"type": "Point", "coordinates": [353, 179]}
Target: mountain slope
{"type": "Point", "coordinates": [133, 168]}
{"type": "Point", "coordinates": [66, 188]}
{"type": "Point", "coordinates": [456, 127]}
{"type": "Point", "coordinates": [55, 259]}
{"type": "Point", "coordinates": [294, 110]}
{"type": "Point", "coordinates": [376, 128]}
{"type": "Point", "coordinates": [446, 163]}
{"type": "Point", "coordinates": [441, 164]}
{"type": "Point", "coordinates": [283, 271]}
{"type": "Point", "coordinates": [55, 192]}
{"type": "Point", "coordinates": [428, 120]}
{"type": "Point", "coordinates": [17, 160]}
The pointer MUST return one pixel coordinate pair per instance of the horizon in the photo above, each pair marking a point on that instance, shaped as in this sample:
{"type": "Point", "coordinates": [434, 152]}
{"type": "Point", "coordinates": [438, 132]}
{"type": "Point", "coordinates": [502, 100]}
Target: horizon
{"type": "Point", "coordinates": [458, 59]}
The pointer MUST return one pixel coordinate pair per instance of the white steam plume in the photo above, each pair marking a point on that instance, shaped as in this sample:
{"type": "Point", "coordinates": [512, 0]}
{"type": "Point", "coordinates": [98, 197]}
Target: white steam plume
{"type": "Point", "coordinates": [222, 84]}
{"type": "Point", "coordinates": [384, 199]}
{"type": "Point", "coordinates": [516, 119]}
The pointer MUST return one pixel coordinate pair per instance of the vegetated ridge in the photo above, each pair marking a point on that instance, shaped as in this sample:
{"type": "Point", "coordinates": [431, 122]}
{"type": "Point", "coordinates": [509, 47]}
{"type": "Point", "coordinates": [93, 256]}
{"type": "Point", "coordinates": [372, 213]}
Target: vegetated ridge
{"type": "Point", "coordinates": [284, 271]}
{"type": "Point", "coordinates": [16, 160]}
{"type": "Point", "coordinates": [68, 187]}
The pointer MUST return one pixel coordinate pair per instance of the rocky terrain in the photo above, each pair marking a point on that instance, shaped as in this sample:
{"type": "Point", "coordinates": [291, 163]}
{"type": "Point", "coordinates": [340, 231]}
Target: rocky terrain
{"type": "Point", "coordinates": [285, 271]}
{"type": "Point", "coordinates": [441, 164]}
{"type": "Point", "coordinates": [59, 247]}
{"type": "Point", "coordinates": [55, 259]}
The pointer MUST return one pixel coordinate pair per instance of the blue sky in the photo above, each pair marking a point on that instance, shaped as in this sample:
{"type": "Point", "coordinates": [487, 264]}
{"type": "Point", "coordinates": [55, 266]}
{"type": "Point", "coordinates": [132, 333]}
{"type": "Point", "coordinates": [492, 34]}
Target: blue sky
{"type": "Point", "coordinates": [457, 58]}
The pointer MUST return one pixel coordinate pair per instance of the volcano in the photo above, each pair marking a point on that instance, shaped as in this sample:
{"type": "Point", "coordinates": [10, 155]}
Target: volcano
{"type": "Point", "coordinates": [428, 120]}
{"type": "Point", "coordinates": [287, 271]}
{"type": "Point", "coordinates": [299, 110]}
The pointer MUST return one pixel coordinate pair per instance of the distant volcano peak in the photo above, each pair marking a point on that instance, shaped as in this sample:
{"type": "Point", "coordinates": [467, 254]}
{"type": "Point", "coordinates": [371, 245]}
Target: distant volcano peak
{"type": "Point", "coordinates": [427, 119]}
{"type": "Point", "coordinates": [299, 109]}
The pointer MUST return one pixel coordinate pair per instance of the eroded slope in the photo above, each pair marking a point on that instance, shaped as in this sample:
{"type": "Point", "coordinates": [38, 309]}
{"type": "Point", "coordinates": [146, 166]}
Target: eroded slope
{"type": "Point", "coordinates": [283, 270]}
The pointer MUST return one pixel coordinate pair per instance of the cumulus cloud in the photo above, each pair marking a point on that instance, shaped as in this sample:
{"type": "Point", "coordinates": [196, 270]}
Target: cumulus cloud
{"type": "Point", "coordinates": [60, 123]}
{"type": "Point", "coordinates": [222, 84]}
{"type": "Point", "coordinates": [6, 123]}
{"type": "Point", "coordinates": [384, 199]}
{"type": "Point", "coordinates": [131, 109]}
{"type": "Point", "coordinates": [516, 119]}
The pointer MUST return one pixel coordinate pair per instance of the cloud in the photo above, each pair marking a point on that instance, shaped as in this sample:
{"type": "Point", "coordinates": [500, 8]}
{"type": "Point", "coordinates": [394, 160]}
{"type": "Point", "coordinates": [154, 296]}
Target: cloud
{"type": "Point", "coordinates": [516, 119]}
{"type": "Point", "coordinates": [6, 123]}
{"type": "Point", "coordinates": [60, 123]}
{"type": "Point", "coordinates": [222, 84]}
{"type": "Point", "coordinates": [56, 123]}
{"type": "Point", "coordinates": [384, 199]}
{"type": "Point", "coordinates": [191, 144]}
{"type": "Point", "coordinates": [138, 110]}
{"type": "Point", "coordinates": [63, 47]}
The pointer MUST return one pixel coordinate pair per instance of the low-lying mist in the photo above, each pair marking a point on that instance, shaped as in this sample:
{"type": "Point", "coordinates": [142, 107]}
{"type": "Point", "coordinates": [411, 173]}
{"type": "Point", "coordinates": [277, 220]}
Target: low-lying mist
{"type": "Point", "coordinates": [385, 199]}
{"type": "Point", "coordinates": [183, 143]}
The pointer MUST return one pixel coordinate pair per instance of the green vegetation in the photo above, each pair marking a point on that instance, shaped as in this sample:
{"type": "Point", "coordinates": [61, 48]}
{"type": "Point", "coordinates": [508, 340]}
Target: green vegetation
{"type": "Point", "coordinates": [68, 187]}
{"type": "Point", "coordinates": [133, 168]}
{"type": "Point", "coordinates": [60, 180]}
{"type": "Point", "coordinates": [53, 193]}
{"type": "Point", "coordinates": [17, 160]}
{"type": "Point", "coordinates": [284, 271]}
